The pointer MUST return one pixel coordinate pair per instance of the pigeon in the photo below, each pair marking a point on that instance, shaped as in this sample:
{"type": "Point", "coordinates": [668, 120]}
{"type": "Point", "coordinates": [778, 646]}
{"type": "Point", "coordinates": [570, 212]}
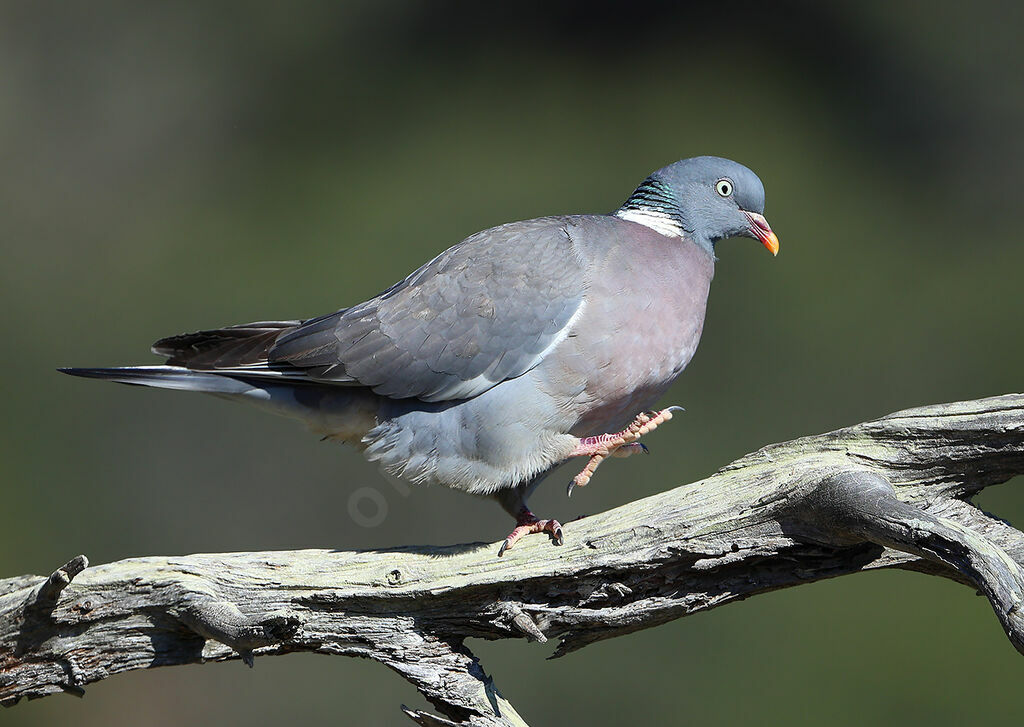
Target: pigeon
{"type": "Point", "coordinates": [520, 347]}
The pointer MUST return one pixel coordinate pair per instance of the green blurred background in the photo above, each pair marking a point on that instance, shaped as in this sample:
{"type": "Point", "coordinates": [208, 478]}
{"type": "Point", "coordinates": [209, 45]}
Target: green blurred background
{"type": "Point", "coordinates": [170, 167]}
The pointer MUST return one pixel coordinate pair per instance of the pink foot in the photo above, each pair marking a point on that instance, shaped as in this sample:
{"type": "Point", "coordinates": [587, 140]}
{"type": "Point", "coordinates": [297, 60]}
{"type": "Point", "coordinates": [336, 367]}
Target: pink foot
{"type": "Point", "coordinates": [620, 444]}
{"type": "Point", "coordinates": [527, 523]}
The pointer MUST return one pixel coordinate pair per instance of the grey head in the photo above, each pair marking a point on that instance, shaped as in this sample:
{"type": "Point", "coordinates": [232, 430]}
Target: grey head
{"type": "Point", "coordinates": [706, 198]}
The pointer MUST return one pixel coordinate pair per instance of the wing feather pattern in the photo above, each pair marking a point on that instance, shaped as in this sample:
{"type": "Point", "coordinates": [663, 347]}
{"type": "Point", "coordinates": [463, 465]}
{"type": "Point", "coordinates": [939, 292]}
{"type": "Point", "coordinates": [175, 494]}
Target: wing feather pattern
{"type": "Point", "coordinates": [486, 310]}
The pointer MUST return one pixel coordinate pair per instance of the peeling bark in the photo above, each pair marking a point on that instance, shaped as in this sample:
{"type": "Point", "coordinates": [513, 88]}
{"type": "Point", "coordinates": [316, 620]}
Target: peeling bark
{"type": "Point", "coordinates": [891, 493]}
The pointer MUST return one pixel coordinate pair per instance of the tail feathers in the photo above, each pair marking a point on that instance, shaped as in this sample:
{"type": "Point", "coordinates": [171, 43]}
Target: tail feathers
{"type": "Point", "coordinates": [229, 347]}
{"type": "Point", "coordinates": [167, 377]}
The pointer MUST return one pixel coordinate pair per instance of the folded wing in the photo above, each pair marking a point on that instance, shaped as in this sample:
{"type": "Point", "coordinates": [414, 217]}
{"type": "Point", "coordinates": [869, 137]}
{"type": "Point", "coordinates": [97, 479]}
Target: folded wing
{"type": "Point", "coordinates": [486, 310]}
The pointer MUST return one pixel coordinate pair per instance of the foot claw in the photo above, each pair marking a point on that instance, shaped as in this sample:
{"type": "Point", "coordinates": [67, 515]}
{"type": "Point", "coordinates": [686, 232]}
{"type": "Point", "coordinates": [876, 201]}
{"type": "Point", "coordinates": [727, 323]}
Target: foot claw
{"type": "Point", "coordinates": [627, 449]}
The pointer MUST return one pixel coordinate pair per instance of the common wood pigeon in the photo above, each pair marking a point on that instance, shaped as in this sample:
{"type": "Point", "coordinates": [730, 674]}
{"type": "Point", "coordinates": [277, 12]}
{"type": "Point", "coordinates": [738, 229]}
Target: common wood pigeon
{"type": "Point", "coordinates": [516, 349]}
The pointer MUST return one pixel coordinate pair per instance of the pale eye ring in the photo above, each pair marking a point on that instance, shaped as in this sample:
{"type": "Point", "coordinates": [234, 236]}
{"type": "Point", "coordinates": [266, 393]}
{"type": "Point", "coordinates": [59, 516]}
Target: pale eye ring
{"type": "Point", "coordinates": [724, 187]}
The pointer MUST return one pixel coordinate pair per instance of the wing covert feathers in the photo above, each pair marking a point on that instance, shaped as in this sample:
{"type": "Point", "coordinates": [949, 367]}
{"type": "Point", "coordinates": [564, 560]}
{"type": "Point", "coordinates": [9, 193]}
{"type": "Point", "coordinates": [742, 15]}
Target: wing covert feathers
{"type": "Point", "coordinates": [485, 310]}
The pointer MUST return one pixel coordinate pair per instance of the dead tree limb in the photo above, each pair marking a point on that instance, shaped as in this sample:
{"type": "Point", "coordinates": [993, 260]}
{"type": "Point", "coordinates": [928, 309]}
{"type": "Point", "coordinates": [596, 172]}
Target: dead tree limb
{"type": "Point", "coordinates": [888, 493]}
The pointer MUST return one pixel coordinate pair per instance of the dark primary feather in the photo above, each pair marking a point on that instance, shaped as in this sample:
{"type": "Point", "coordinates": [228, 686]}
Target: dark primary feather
{"type": "Point", "coordinates": [480, 313]}
{"type": "Point", "coordinates": [229, 347]}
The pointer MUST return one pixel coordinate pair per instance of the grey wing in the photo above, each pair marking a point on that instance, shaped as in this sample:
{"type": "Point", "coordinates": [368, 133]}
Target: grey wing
{"type": "Point", "coordinates": [486, 310]}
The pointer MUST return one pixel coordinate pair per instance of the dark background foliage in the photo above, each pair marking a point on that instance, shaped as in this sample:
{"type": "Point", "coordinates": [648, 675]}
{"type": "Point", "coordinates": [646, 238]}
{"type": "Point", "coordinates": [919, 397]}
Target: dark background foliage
{"type": "Point", "coordinates": [169, 167]}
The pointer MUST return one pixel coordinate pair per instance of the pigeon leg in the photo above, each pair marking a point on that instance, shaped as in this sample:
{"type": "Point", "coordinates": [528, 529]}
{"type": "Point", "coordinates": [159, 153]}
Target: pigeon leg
{"type": "Point", "coordinates": [526, 523]}
{"type": "Point", "coordinates": [619, 444]}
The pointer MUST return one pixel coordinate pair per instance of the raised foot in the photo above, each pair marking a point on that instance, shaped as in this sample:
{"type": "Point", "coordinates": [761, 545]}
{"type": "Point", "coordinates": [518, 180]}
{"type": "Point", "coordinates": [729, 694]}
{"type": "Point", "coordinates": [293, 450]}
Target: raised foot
{"type": "Point", "coordinates": [620, 444]}
{"type": "Point", "coordinates": [528, 523]}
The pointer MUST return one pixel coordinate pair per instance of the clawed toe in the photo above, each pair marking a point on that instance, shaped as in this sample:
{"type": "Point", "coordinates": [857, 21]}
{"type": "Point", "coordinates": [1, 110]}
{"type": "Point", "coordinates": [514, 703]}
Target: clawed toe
{"type": "Point", "coordinates": [527, 526]}
{"type": "Point", "coordinates": [556, 533]}
{"type": "Point", "coordinates": [621, 444]}
{"type": "Point", "coordinates": [627, 449]}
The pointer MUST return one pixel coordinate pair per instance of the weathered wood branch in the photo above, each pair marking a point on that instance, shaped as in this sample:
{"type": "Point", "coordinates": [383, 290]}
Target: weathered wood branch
{"type": "Point", "coordinates": [888, 493]}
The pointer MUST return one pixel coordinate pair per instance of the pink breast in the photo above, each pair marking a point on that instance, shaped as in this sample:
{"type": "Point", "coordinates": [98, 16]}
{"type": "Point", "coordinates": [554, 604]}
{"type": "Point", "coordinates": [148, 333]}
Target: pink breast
{"type": "Point", "coordinates": [644, 316]}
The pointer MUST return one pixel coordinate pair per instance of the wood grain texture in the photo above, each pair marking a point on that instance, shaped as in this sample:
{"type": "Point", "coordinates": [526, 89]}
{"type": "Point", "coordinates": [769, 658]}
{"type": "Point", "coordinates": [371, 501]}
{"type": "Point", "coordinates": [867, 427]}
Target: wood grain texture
{"type": "Point", "coordinates": [890, 493]}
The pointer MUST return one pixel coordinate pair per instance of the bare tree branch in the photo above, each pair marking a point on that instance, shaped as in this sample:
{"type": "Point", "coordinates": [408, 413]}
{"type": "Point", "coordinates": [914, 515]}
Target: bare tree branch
{"type": "Point", "coordinates": [887, 493]}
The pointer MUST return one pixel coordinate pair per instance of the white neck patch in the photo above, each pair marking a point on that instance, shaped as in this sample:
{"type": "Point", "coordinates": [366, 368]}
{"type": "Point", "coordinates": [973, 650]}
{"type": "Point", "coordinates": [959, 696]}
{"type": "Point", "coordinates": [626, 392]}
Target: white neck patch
{"type": "Point", "coordinates": [657, 221]}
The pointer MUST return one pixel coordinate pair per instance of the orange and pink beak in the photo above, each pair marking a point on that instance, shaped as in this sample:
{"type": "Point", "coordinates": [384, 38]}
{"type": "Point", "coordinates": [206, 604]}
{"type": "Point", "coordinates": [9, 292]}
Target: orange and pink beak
{"type": "Point", "coordinates": [760, 229]}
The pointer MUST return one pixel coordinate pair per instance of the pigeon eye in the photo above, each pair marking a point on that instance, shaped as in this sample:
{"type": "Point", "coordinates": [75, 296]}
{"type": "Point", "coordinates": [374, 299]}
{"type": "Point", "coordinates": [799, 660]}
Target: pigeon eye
{"type": "Point", "coordinates": [723, 187]}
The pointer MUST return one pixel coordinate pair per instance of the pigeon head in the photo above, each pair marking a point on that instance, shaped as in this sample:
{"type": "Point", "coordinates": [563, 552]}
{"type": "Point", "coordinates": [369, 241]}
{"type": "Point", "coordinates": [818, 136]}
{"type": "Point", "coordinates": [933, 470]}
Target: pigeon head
{"type": "Point", "coordinates": [706, 198]}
